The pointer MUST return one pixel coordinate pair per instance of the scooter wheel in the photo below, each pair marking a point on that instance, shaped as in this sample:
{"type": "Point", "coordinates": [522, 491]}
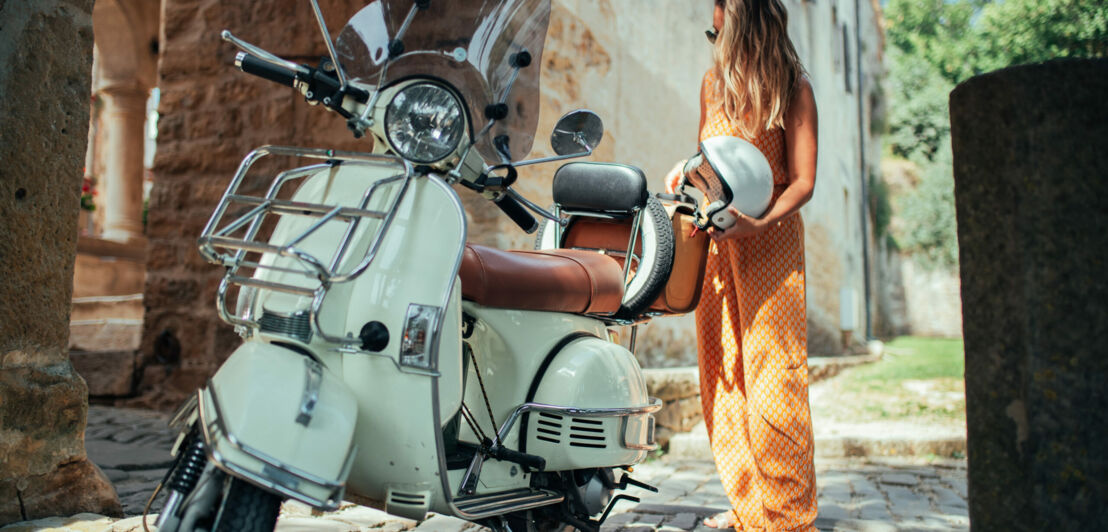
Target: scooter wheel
{"type": "Point", "coordinates": [246, 508]}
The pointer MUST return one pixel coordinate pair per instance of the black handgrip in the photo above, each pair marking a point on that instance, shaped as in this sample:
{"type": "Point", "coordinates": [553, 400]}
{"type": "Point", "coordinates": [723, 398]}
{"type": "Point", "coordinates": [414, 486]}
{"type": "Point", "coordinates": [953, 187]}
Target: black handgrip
{"type": "Point", "coordinates": [517, 213]}
{"type": "Point", "coordinates": [252, 65]}
{"type": "Point", "coordinates": [530, 461]}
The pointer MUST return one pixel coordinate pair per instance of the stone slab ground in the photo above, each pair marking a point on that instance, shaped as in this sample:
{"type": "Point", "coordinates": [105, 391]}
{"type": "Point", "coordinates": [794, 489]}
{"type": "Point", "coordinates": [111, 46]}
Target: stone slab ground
{"type": "Point", "coordinates": [855, 495]}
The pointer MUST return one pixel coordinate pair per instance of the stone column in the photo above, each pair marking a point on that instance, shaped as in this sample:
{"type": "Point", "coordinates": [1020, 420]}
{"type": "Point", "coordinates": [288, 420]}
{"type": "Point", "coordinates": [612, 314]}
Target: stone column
{"type": "Point", "coordinates": [1031, 187]}
{"type": "Point", "coordinates": [122, 119]}
{"type": "Point", "coordinates": [45, 68]}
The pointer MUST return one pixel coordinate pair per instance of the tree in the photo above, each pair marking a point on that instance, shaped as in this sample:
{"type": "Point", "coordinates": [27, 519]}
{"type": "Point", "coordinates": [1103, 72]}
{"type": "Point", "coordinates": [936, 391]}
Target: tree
{"type": "Point", "coordinates": [918, 97]}
{"type": "Point", "coordinates": [935, 44]}
{"type": "Point", "coordinates": [1016, 32]}
{"type": "Point", "coordinates": [938, 32]}
{"type": "Point", "coordinates": [928, 228]}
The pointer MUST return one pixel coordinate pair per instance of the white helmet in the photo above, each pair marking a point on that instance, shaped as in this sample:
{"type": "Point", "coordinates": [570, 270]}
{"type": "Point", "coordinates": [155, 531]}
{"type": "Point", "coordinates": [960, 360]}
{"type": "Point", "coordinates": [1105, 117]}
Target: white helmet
{"type": "Point", "coordinates": [729, 171]}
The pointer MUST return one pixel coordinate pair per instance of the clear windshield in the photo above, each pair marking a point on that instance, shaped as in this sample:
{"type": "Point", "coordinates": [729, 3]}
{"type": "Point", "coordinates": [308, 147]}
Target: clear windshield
{"type": "Point", "coordinates": [466, 43]}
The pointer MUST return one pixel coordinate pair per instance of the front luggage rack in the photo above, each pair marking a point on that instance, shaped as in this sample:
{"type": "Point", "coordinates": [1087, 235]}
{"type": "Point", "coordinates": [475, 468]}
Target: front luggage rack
{"type": "Point", "coordinates": [233, 244]}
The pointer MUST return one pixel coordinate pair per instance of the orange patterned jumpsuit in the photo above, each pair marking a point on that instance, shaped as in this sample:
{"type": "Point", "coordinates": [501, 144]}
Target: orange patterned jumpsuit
{"type": "Point", "coordinates": [752, 350]}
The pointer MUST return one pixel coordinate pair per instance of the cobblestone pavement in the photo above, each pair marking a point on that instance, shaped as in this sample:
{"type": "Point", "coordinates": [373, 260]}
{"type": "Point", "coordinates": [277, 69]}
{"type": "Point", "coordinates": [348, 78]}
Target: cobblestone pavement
{"type": "Point", "coordinates": [132, 447]}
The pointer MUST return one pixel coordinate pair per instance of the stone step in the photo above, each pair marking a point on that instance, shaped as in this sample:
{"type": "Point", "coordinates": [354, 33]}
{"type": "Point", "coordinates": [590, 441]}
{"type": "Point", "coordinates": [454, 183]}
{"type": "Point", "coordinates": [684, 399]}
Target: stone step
{"type": "Point", "coordinates": [867, 440]}
{"type": "Point", "coordinates": [105, 334]}
{"type": "Point", "coordinates": [107, 307]}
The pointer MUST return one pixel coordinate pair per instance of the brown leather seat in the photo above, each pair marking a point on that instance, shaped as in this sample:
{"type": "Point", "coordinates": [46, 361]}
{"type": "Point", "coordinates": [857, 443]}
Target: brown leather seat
{"type": "Point", "coordinates": [563, 280]}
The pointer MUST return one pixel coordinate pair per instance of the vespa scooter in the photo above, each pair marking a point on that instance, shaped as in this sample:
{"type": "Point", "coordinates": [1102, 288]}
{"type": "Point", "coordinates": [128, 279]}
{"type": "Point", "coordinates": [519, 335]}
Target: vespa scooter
{"type": "Point", "coordinates": [386, 361]}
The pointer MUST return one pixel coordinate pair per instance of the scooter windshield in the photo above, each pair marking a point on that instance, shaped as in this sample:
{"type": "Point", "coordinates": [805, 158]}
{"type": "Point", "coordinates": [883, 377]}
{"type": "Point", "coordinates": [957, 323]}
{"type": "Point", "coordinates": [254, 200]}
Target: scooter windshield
{"type": "Point", "coordinates": [469, 44]}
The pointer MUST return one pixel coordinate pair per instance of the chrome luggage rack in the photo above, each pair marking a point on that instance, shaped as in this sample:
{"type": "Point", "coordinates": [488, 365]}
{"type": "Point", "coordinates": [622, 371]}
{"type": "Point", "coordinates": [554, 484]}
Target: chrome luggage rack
{"type": "Point", "coordinates": [218, 245]}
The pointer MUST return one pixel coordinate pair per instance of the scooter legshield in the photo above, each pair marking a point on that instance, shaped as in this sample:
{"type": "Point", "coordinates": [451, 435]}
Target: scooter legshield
{"type": "Point", "coordinates": [281, 420]}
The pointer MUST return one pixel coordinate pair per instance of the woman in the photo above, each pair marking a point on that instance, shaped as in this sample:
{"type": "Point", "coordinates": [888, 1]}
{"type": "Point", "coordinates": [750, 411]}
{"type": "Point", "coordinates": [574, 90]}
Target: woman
{"type": "Point", "coordinates": [751, 325]}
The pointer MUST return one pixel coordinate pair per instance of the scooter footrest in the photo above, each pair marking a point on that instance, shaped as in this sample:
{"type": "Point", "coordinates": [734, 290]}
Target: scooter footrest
{"type": "Point", "coordinates": [488, 504]}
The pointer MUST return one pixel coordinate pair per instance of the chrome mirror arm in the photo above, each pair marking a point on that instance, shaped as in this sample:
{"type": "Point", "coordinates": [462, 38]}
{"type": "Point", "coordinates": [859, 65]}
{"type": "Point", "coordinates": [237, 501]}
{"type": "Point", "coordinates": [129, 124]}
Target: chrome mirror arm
{"type": "Point", "coordinates": [553, 158]}
{"type": "Point", "coordinates": [262, 54]}
{"type": "Point", "coordinates": [330, 46]}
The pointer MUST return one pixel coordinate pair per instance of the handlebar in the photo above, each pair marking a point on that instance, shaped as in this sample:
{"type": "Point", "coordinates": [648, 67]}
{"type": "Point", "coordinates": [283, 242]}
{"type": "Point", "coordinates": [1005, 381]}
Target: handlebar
{"type": "Point", "coordinates": [317, 85]}
{"type": "Point", "coordinates": [264, 69]}
{"type": "Point", "coordinates": [517, 213]}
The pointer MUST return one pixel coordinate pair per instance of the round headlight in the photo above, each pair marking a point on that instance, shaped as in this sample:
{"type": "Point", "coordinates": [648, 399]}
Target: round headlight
{"type": "Point", "coordinates": [424, 123]}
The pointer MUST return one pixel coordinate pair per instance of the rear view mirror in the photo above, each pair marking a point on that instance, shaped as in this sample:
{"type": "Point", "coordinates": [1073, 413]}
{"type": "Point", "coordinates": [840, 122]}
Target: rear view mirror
{"type": "Point", "coordinates": [577, 133]}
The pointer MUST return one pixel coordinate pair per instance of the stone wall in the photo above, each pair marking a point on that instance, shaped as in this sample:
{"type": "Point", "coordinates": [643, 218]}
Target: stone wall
{"type": "Point", "coordinates": [45, 69]}
{"type": "Point", "coordinates": [1032, 205]}
{"type": "Point", "coordinates": [211, 116]}
{"type": "Point", "coordinates": [915, 300]}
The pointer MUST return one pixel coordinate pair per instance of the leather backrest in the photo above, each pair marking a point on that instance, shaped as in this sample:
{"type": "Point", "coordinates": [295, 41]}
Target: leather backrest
{"type": "Point", "coordinates": [601, 187]}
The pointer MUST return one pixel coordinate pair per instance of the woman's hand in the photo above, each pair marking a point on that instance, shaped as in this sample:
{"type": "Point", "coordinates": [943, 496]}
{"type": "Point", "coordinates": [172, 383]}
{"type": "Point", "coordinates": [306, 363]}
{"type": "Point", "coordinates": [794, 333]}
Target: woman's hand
{"type": "Point", "coordinates": [744, 227]}
{"type": "Point", "coordinates": [674, 177]}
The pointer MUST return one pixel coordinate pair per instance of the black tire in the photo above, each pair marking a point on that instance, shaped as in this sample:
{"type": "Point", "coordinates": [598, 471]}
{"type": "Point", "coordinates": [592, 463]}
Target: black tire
{"type": "Point", "coordinates": [247, 508]}
{"type": "Point", "coordinates": [649, 279]}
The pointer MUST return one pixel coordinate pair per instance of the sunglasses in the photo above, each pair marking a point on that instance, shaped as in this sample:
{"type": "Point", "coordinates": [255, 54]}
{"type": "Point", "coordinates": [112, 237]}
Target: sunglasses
{"type": "Point", "coordinates": [712, 35]}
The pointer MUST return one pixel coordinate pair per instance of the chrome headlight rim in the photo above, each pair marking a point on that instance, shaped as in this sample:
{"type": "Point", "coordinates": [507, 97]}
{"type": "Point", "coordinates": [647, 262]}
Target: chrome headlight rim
{"type": "Point", "coordinates": [459, 130]}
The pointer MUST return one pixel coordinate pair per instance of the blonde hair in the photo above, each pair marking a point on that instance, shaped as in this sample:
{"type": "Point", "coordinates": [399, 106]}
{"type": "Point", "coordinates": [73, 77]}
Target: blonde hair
{"type": "Point", "coordinates": [756, 65]}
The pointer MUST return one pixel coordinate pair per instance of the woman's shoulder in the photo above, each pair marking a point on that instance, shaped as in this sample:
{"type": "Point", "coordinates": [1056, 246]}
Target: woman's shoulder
{"type": "Point", "coordinates": [709, 76]}
{"type": "Point", "coordinates": [803, 87]}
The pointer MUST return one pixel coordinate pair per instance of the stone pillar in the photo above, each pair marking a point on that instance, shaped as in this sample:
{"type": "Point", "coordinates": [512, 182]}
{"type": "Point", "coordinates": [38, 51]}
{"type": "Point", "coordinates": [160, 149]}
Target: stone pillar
{"type": "Point", "coordinates": [1031, 186]}
{"type": "Point", "coordinates": [122, 119]}
{"type": "Point", "coordinates": [45, 67]}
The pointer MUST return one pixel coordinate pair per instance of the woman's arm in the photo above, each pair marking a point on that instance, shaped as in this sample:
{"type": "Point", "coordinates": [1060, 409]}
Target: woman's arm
{"type": "Point", "coordinates": [801, 141]}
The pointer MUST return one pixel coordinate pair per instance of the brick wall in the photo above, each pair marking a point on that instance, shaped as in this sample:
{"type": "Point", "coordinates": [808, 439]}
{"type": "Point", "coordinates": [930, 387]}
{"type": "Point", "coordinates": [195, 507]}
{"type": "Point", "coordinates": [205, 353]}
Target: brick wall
{"type": "Point", "coordinates": [211, 116]}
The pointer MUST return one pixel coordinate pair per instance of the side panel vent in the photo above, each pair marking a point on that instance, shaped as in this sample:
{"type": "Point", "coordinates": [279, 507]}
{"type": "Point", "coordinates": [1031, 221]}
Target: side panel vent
{"type": "Point", "coordinates": [588, 433]}
{"type": "Point", "coordinates": [549, 428]}
{"type": "Point", "coordinates": [407, 499]}
{"type": "Point", "coordinates": [296, 326]}
{"type": "Point", "coordinates": [410, 504]}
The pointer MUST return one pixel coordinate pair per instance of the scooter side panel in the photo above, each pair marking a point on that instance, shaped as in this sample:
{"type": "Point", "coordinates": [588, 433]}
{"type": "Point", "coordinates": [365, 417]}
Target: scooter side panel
{"type": "Point", "coordinates": [255, 406]}
{"type": "Point", "coordinates": [510, 347]}
{"type": "Point", "coordinates": [396, 409]}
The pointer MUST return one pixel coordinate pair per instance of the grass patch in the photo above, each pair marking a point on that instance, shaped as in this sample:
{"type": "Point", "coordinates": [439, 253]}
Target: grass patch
{"type": "Point", "coordinates": [915, 358]}
{"type": "Point", "coordinates": [917, 380]}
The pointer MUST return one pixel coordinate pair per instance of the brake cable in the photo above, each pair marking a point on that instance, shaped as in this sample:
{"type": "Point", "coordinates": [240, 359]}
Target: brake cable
{"type": "Point", "coordinates": [485, 395]}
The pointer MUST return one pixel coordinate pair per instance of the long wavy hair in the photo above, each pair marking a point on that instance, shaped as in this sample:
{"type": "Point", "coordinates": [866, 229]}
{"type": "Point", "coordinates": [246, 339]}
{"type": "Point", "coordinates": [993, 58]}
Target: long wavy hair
{"type": "Point", "coordinates": [757, 66]}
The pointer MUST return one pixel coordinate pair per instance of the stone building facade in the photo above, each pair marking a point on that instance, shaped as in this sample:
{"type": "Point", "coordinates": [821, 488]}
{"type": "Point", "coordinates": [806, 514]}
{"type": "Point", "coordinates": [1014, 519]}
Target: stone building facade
{"type": "Point", "coordinates": [638, 63]}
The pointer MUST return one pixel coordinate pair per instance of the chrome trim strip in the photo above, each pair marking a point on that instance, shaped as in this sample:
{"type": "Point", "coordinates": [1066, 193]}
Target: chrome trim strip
{"type": "Point", "coordinates": [436, 413]}
{"type": "Point", "coordinates": [481, 506]}
{"type": "Point", "coordinates": [313, 380]}
{"type": "Point", "coordinates": [336, 488]}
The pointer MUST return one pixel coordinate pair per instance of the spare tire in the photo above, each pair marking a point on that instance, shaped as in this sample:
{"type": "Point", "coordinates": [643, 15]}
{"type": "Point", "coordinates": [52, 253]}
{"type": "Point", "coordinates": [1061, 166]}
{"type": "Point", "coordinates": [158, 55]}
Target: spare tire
{"type": "Point", "coordinates": [650, 266]}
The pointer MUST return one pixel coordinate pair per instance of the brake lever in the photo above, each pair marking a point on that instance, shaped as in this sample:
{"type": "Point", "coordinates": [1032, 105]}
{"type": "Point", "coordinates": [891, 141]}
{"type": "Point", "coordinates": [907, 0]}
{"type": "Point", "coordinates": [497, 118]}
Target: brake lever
{"type": "Point", "coordinates": [263, 55]}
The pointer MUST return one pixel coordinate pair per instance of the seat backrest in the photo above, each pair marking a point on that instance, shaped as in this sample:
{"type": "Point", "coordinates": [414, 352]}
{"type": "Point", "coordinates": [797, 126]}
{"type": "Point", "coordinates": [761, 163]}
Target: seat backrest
{"type": "Point", "coordinates": [600, 187]}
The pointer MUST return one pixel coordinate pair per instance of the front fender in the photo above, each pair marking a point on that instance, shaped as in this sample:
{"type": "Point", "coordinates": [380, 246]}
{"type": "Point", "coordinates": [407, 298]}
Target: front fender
{"type": "Point", "coordinates": [281, 420]}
